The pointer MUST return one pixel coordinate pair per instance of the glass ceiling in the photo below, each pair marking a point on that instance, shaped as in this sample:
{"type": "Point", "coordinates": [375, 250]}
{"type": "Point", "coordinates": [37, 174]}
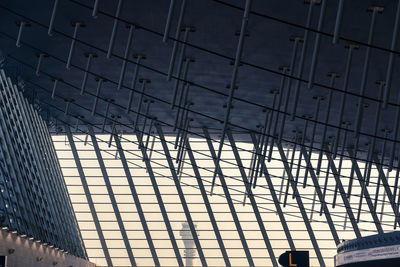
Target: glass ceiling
{"type": "Point", "coordinates": [133, 227]}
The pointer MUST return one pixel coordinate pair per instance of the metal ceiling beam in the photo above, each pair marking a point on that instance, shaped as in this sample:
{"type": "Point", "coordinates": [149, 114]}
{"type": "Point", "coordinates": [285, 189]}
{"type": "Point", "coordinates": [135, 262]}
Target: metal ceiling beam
{"type": "Point", "coordinates": [207, 204]}
{"type": "Point", "coordinates": [320, 196]}
{"type": "Point", "coordinates": [17, 173]}
{"type": "Point", "coordinates": [88, 195]}
{"type": "Point", "coordinates": [314, 60]}
{"type": "Point", "coordinates": [364, 191]}
{"type": "Point", "coordinates": [229, 199]}
{"type": "Point", "coordinates": [38, 155]}
{"type": "Point", "coordinates": [276, 201]}
{"type": "Point", "coordinates": [57, 172]}
{"type": "Point", "coordinates": [301, 62]}
{"type": "Point", "coordinates": [238, 57]}
{"type": "Point", "coordinates": [159, 200]}
{"type": "Point", "coordinates": [385, 183]}
{"type": "Point", "coordinates": [176, 40]}
{"type": "Point", "coordinates": [342, 192]}
{"type": "Point", "coordinates": [252, 199]}
{"type": "Point", "coordinates": [168, 22]}
{"type": "Point", "coordinates": [358, 117]}
{"type": "Point", "coordinates": [300, 205]}
{"type": "Point", "coordinates": [136, 199]}
{"type": "Point", "coordinates": [114, 29]}
{"type": "Point", "coordinates": [181, 195]}
{"type": "Point", "coordinates": [112, 196]}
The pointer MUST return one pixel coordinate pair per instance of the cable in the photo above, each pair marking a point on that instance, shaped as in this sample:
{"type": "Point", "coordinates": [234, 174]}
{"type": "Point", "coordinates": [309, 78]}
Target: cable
{"type": "Point", "coordinates": [250, 64]}
{"type": "Point", "coordinates": [306, 28]}
{"type": "Point", "coordinates": [247, 129]}
{"type": "Point", "coordinates": [195, 112]}
{"type": "Point", "coordinates": [207, 88]}
{"type": "Point", "coordinates": [167, 125]}
{"type": "Point", "coordinates": [192, 111]}
{"type": "Point", "coordinates": [205, 169]}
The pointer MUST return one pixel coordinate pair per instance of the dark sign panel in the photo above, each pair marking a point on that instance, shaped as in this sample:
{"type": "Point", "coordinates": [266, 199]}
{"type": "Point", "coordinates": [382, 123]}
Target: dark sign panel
{"type": "Point", "coordinates": [3, 261]}
{"type": "Point", "coordinates": [294, 259]}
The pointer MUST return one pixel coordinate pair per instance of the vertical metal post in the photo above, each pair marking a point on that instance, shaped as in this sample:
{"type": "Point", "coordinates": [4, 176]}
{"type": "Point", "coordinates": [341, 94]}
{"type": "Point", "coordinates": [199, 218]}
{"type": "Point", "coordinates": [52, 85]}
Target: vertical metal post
{"type": "Point", "coordinates": [314, 60]}
{"type": "Point", "coordinates": [302, 141]}
{"type": "Point", "coordinates": [89, 56]}
{"type": "Point", "coordinates": [95, 8]}
{"type": "Point", "coordinates": [21, 25]}
{"type": "Point", "coordinates": [109, 101]}
{"type": "Point", "coordinates": [126, 55]}
{"type": "Point", "coordinates": [302, 59]}
{"type": "Point", "coordinates": [344, 144]}
{"type": "Point", "coordinates": [389, 71]}
{"type": "Point", "coordinates": [182, 103]}
{"type": "Point", "coordinates": [377, 120]}
{"type": "Point", "coordinates": [333, 76]}
{"type": "Point", "coordinates": [88, 196]}
{"type": "Point", "coordinates": [182, 144]}
{"type": "Point", "coordinates": [319, 98]}
{"type": "Point", "coordinates": [296, 40]}
{"type": "Point", "coordinates": [96, 97]}
{"type": "Point", "coordinates": [114, 29]}
{"type": "Point", "coordinates": [55, 82]}
{"type": "Point", "coordinates": [68, 102]}
{"type": "Point", "coordinates": [168, 22]}
{"type": "Point", "coordinates": [133, 83]}
{"type": "Point", "coordinates": [238, 56]}
{"type": "Point", "coordinates": [357, 120]}
{"type": "Point", "coordinates": [338, 22]}
{"type": "Point", "coordinates": [149, 132]}
{"type": "Point", "coordinates": [40, 59]}
{"type": "Point", "coordinates": [182, 60]}
{"type": "Point", "coordinates": [281, 91]}
{"type": "Point", "coordinates": [182, 123]}
{"type": "Point", "coordinates": [262, 149]}
{"type": "Point", "coordinates": [76, 25]}
{"type": "Point", "coordinates": [351, 47]}
{"type": "Point", "coordinates": [175, 46]}
{"type": "Point", "coordinates": [53, 16]}
{"type": "Point", "coordinates": [146, 115]}
{"type": "Point", "coordinates": [143, 81]}
{"type": "Point", "coordinates": [152, 146]}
